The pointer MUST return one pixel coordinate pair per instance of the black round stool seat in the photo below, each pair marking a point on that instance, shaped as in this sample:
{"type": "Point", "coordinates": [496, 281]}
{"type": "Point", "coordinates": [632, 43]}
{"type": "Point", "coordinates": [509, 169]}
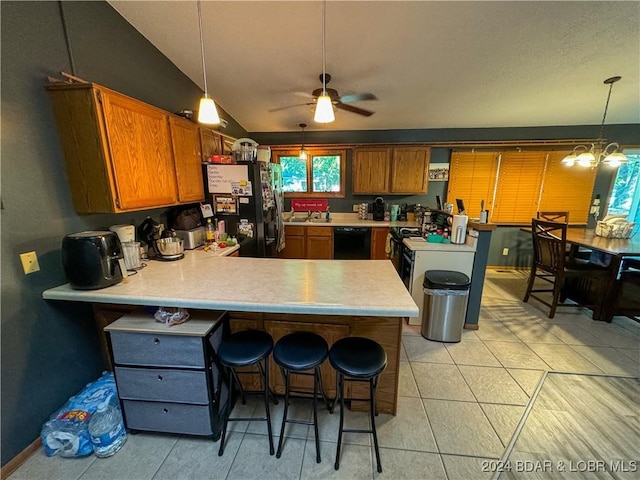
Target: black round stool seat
{"type": "Point", "coordinates": [358, 357]}
{"type": "Point", "coordinates": [245, 348]}
{"type": "Point", "coordinates": [300, 351]}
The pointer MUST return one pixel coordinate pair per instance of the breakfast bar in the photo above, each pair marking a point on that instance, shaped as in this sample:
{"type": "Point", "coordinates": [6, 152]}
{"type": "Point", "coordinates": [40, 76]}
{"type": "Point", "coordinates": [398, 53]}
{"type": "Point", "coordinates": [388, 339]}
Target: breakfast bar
{"type": "Point", "coordinates": [333, 298]}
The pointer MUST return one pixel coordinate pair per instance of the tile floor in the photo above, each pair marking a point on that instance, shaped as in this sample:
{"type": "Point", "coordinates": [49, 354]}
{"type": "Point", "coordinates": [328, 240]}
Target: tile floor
{"type": "Point", "coordinates": [459, 405]}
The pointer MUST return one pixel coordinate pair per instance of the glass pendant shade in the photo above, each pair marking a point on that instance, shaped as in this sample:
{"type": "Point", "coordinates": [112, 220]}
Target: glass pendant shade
{"type": "Point", "coordinates": [303, 154]}
{"type": "Point", "coordinates": [207, 112]}
{"type": "Point", "coordinates": [570, 160]}
{"type": "Point", "coordinates": [586, 159]}
{"type": "Point", "coordinates": [615, 159]}
{"type": "Point", "coordinates": [324, 110]}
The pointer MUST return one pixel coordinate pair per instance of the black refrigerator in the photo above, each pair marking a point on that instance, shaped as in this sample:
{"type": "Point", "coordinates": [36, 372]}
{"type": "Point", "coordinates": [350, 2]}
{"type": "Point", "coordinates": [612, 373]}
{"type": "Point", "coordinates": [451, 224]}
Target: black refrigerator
{"type": "Point", "coordinates": [249, 199]}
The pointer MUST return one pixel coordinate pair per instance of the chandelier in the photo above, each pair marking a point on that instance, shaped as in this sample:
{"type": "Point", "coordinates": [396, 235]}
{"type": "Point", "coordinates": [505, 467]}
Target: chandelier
{"type": "Point", "coordinates": [597, 153]}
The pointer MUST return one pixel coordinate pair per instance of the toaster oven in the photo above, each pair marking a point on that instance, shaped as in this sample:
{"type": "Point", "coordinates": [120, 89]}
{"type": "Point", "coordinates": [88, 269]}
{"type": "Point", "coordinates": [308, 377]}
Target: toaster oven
{"type": "Point", "coordinates": [193, 238]}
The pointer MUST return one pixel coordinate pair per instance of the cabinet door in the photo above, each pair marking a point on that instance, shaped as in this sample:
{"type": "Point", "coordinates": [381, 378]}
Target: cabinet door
{"type": "Point", "coordinates": [294, 242]}
{"type": "Point", "coordinates": [186, 154]}
{"type": "Point", "coordinates": [409, 170]}
{"type": "Point", "coordinates": [141, 158]}
{"type": "Point", "coordinates": [319, 248]}
{"type": "Point", "coordinates": [211, 143]}
{"type": "Point", "coordinates": [378, 243]}
{"type": "Point", "coordinates": [371, 170]}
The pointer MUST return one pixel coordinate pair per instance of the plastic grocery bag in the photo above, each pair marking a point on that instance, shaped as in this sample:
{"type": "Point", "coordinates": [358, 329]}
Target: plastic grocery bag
{"type": "Point", "coordinates": [66, 433]}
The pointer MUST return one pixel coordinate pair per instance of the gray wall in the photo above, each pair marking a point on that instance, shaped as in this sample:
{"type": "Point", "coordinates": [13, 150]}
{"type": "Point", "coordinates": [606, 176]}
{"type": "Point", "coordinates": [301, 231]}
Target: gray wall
{"type": "Point", "coordinates": [50, 349]}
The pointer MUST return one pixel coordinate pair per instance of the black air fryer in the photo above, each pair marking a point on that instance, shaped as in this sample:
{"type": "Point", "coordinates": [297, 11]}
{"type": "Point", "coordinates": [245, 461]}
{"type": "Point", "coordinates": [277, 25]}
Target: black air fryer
{"type": "Point", "coordinates": [91, 259]}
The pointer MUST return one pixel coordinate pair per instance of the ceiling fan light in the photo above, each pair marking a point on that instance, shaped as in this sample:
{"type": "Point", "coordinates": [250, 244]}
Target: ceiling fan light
{"type": "Point", "coordinates": [324, 110]}
{"type": "Point", "coordinates": [615, 159]}
{"type": "Point", "coordinates": [207, 111]}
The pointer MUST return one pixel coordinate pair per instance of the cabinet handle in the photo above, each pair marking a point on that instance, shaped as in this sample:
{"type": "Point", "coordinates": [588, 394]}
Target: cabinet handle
{"type": "Point", "coordinates": [160, 377]}
{"type": "Point", "coordinates": [156, 341]}
{"type": "Point", "coordinates": [165, 410]}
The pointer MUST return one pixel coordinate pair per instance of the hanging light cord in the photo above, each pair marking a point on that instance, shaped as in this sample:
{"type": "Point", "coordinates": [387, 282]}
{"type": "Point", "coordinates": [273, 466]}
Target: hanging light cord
{"type": "Point", "coordinates": [67, 39]}
{"type": "Point", "coordinates": [204, 71]}
{"type": "Point", "coordinates": [324, 76]}
{"type": "Point", "coordinates": [606, 107]}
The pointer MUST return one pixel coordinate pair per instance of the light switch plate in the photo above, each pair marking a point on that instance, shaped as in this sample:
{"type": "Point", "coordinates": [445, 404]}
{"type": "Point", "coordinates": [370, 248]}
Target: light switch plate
{"type": "Point", "coordinates": [29, 262]}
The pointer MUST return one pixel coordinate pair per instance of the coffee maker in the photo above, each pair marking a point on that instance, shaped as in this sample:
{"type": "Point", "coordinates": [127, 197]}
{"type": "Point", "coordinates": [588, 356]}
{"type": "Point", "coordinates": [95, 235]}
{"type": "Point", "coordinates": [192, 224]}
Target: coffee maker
{"type": "Point", "coordinates": [378, 209]}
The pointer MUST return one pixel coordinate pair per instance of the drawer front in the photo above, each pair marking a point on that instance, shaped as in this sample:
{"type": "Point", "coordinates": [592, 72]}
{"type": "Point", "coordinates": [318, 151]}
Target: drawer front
{"type": "Point", "coordinates": [319, 231]}
{"type": "Point", "coordinates": [157, 350]}
{"type": "Point", "coordinates": [168, 417]}
{"type": "Point", "coordinates": [162, 385]}
{"type": "Point", "coordinates": [294, 231]}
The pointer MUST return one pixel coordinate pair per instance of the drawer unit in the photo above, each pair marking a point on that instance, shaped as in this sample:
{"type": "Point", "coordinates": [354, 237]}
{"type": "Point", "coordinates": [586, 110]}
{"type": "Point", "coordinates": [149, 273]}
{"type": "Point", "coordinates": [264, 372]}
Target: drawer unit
{"type": "Point", "coordinates": [157, 349]}
{"type": "Point", "coordinates": [162, 385]}
{"type": "Point", "coordinates": [168, 417]}
{"type": "Point", "coordinates": [167, 378]}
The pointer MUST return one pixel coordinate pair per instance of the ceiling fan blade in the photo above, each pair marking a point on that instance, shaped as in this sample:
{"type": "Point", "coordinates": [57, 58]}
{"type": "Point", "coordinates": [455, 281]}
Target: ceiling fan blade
{"type": "Point", "coordinates": [303, 94]}
{"type": "Point", "coordinates": [358, 97]}
{"type": "Point", "coordinates": [289, 106]}
{"type": "Point", "coordinates": [351, 108]}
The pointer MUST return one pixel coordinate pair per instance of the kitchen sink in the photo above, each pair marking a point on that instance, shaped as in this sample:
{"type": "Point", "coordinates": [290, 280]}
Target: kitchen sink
{"type": "Point", "coordinates": [319, 220]}
{"type": "Point", "coordinates": [297, 220]}
{"type": "Point", "coordinates": [308, 220]}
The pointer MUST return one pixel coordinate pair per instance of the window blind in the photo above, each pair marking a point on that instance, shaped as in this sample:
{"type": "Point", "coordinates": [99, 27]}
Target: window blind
{"type": "Point", "coordinates": [472, 178]}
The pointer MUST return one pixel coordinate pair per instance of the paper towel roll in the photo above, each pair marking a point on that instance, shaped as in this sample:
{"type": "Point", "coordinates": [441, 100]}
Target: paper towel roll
{"type": "Point", "coordinates": [459, 228]}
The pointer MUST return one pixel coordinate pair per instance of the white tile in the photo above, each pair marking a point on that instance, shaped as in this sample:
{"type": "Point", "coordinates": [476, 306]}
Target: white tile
{"type": "Point", "coordinates": [406, 382]}
{"type": "Point", "coordinates": [614, 361]}
{"type": "Point", "coordinates": [504, 419]}
{"type": "Point", "coordinates": [527, 379]}
{"type": "Point", "coordinates": [408, 465]}
{"type": "Point", "coordinates": [468, 468]}
{"type": "Point", "coordinates": [516, 355]}
{"type": "Point", "coordinates": [254, 462]}
{"type": "Point", "coordinates": [462, 428]}
{"type": "Point", "coordinates": [437, 380]}
{"type": "Point", "coordinates": [39, 466]}
{"type": "Point", "coordinates": [355, 462]}
{"type": "Point", "coordinates": [533, 333]}
{"type": "Point", "coordinates": [471, 352]}
{"type": "Point", "coordinates": [564, 358]}
{"type": "Point", "coordinates": [420, 349]}
{"type": "Point", "coordinates": [409, 429]}
{"type": "Point", "coordinates": [493, 385]}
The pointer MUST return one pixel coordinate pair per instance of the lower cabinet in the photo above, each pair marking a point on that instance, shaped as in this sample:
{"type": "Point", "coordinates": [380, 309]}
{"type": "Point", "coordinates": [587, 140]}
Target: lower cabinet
{"type": "Point", "coordinates": [166, 376]}
{"type": "Point", "coordinates": [379, 243]}
{"type": "Point", "coordinates": [308, 242]}
{"type": "Point", "coordinates": [294, 241]}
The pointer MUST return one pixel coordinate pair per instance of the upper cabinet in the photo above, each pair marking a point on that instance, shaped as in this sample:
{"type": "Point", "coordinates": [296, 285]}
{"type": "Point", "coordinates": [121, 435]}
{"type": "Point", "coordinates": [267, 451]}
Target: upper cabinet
{"type": "Point", "coordinates": [371, 167]}
{"type": "Point", "coordinates": [409, 170]}
{"type": "Point", "coordinates": [122, 154]}
{"type": "Point", "coordinates": [398, 170]}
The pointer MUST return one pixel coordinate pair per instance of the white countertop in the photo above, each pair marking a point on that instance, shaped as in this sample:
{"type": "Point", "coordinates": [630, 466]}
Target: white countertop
{"type": "Point", "coordinates": [205, 280]}
{"type": "Point", "coordinates": [420, 244]}
{"type": "Point", "coordinates": [348, 220]}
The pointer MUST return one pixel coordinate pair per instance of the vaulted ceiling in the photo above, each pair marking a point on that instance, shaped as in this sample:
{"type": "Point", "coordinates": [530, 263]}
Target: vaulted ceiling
{"type": "Point", "coordinates": [431, 64]}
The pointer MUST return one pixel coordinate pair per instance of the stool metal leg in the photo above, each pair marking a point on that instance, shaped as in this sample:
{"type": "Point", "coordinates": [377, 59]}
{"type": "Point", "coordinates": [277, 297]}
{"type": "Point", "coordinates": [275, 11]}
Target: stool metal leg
{"type": "Point", "coordinates": [316, 374]}
{"type": "Point", "coordinates": [226, 417]}
{"type": "Point", "coordinates": [373, 383]}
{"type": "Point", "coordinates": [285, 374]}
{"type": "Point", "coordinates": [264, 370]}
{"type": "Point", "coordinates": [340, 394]}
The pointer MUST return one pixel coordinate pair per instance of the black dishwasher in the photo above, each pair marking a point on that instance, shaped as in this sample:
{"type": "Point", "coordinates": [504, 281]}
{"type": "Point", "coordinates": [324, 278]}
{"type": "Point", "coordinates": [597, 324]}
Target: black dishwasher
{"type": "Point", "coordinates": [352, 243]}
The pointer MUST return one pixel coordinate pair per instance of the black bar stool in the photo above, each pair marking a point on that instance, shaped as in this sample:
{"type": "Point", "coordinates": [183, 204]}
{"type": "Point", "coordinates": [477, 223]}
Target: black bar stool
{"type": "Point", "coordinates": [358, 359]}
{"type": "Point", "coordinates": [297, 353]}
{"type": "Point", "coordinates": [243, 349]}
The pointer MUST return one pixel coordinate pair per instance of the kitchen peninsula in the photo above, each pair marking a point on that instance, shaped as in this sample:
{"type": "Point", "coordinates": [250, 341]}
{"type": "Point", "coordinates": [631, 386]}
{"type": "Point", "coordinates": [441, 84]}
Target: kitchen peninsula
{"type": "Point", "coordinates": [331, 297]}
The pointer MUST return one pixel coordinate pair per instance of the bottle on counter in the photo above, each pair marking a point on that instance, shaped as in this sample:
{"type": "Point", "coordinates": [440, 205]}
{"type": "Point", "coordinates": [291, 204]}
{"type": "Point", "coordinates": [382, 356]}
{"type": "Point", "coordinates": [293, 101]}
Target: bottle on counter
{"type": "Point", "coordinates": [106, 429]}
{"type": "Point", "coordinates": [210, 232]}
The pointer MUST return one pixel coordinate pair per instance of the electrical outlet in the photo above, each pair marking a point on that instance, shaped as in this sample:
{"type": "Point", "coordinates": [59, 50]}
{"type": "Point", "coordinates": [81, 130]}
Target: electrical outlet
{"type": "Point", "coordinates": [505, 251]}
{"type": "Point", "coordinates": [355, 208]}
{"type": "Point", "coordinates": [29, 262]}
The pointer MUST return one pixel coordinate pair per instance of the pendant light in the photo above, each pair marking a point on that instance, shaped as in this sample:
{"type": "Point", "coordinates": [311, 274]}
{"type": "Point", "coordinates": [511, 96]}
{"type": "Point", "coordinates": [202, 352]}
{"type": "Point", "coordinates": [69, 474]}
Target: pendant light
{"type": "Point", "coordinates": [303, 153]}
{"type": "Point", "coordinates": [324, 105]}
{"type": "Point", "coordinates": [207, 111]}
{"type": "Point", "coordinates": [598, 153]}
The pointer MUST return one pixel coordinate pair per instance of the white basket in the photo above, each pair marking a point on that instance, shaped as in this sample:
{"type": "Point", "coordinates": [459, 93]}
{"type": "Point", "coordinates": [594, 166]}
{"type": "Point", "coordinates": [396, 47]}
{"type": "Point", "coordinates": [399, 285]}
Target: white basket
{"type": "Point", "coordinates": [614, 230]}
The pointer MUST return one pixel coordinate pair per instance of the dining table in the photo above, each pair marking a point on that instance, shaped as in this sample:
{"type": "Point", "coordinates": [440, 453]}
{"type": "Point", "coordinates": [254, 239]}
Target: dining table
{"type": "Point", "coordinates": [616, 251]}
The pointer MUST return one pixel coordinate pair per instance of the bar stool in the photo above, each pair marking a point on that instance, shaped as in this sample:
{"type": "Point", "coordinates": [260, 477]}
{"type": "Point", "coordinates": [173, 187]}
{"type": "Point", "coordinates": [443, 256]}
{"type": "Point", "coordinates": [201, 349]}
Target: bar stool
{"type": "Point", "coordinates": [243, 349]}
{"type": "Point", "coordinates": [297, 353]}
{"type": "Point", "coordinates": [358, 359]}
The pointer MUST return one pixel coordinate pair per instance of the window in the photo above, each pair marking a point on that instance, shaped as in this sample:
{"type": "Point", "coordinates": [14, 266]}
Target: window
{"type": "Point", "coordinates": [516, 184]}
{"type": "Point", "coordinates": [320, 175]}
{"type": "Point", "coordinates": [625, 195]}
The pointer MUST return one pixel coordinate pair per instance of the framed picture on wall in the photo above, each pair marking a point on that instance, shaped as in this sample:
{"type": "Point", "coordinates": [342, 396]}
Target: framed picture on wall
{"type": "Point", "coordinates": [438, 172]}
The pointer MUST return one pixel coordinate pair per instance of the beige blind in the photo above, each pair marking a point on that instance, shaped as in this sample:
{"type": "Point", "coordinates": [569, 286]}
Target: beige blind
{"type": "Point", "coordinates": [472, 177]}
{"type": "Point", "coordinates": [567, 188]}
{"type": "Point", "coordinates": [519, 184]}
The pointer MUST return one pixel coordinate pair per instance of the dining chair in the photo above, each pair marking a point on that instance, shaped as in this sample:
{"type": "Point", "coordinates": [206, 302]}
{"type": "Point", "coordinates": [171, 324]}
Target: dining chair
{"type": "Point", "coordinates": [551, 264]}
{"type": "Point", "coordinates": [562, 217]}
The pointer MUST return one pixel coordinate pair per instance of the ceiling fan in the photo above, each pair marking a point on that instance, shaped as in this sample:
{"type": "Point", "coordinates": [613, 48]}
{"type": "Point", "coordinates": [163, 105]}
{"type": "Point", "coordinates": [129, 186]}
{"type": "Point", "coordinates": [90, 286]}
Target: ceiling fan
{"type": "Point", "coordinates": [341, 102]}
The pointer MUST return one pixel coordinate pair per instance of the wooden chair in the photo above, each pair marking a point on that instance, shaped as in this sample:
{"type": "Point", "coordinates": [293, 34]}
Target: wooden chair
{"type": "Point", "coordinates": [550, 264]}
{"type": "Point", "coordinates": [562, 217]}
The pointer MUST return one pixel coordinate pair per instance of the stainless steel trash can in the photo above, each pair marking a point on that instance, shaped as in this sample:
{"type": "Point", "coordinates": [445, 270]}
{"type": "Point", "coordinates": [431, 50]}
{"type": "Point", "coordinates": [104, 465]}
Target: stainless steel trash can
{"type": "Point", "coordinates": [445, 305]}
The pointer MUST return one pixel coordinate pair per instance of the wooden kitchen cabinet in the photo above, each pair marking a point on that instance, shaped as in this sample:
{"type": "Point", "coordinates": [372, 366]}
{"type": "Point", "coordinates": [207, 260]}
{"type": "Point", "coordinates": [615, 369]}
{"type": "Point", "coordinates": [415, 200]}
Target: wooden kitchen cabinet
{"type": "Point", "coordinates": [122, 154]}
{"type": "Point", "coordinates": [378, 243]}
{"type": "Point", "coordinates": [185, 139]}
{"type": "Point", "coordinates": [397, 170]}
{"type": "Point", "coordinates": [409, 170]}
{"type": "Point", "coordinates": [211, 143]}
{"type": "Point", "coordinates": [319, 243]}
{"type": "Point", "coordinates": [295, 242]}
{"type": "Point", "coordinates": [371, 167]}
